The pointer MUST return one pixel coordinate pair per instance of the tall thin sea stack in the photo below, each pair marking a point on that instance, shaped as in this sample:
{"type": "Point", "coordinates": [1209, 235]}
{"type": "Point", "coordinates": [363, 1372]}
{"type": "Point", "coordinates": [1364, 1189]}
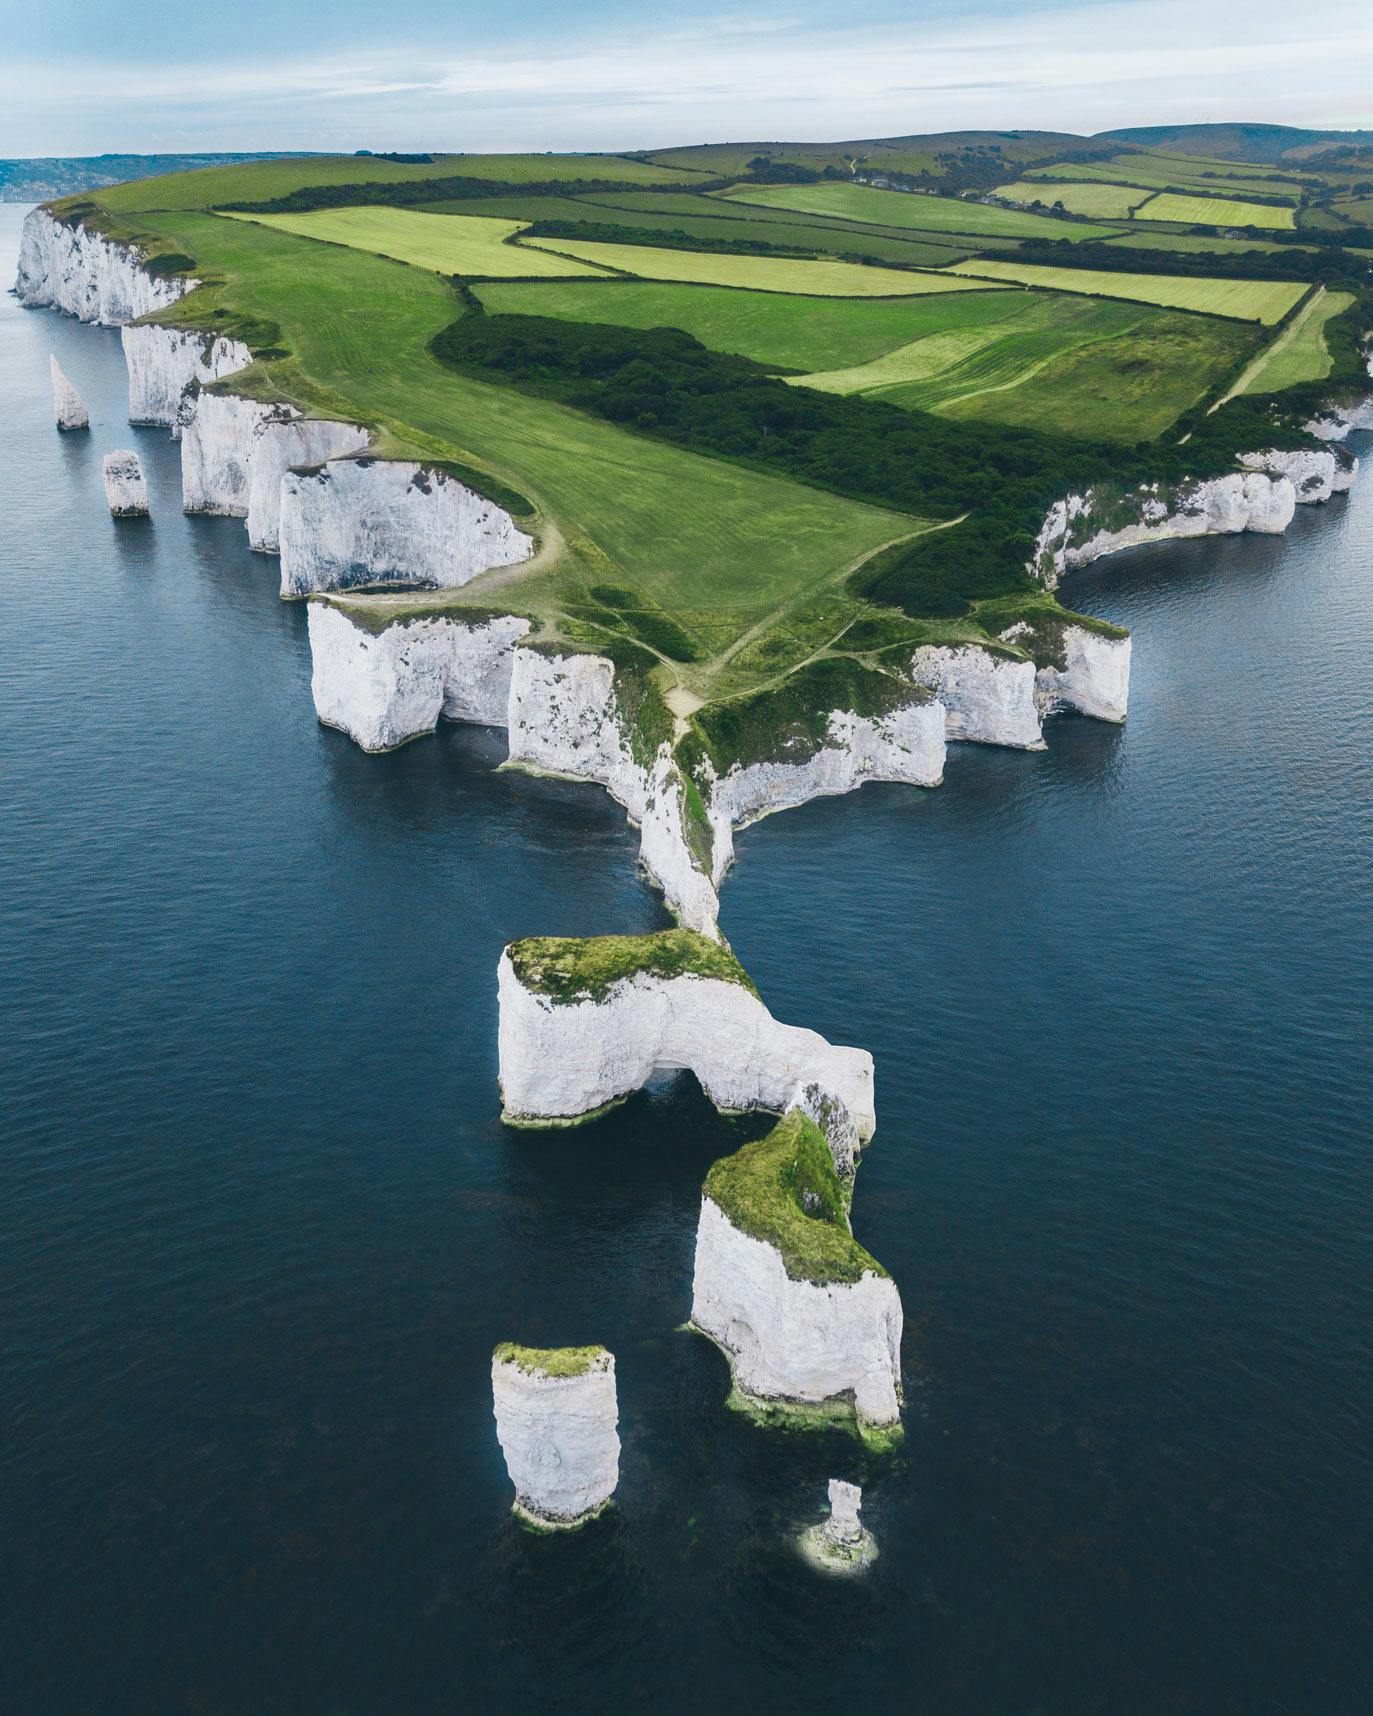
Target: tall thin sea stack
{"type": "Point", "coordinates": [556, 1420]}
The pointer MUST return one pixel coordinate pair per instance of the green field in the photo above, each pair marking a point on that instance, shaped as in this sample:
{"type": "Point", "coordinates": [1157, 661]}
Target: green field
{"type": "Point", "coordinates": [447, 244]}
{"type": "Point", "coordinates": [1299, 353]}
{"type": "Point", "coordinates": [259, 181]}
{"type": "Point", "coordinates": [909, 210]}
{"type": "Point", "coordinates": [754, 273]}
{"type": "Point", "coordinates": [1214, 211]}
{"type": "Point", "coordinates": [1197, 243]}
{"type": "Point", "coordinates": [1156, 172]}
{"type": "Point", "coordinates": [1102, 200]}
{"type": "Point", "coordinates": [1266, 301]}
{"type": "Point", "coordinates": [794, 333]}
{"type": "Point", "coordinates": [1070, 365]}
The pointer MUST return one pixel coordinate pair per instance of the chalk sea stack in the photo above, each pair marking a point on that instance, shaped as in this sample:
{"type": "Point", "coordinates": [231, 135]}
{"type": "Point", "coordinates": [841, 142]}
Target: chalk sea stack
{"type": "Point", "coordinates": [68, 407]}
{"type": "Point", "coordinates": [556, 1420]}
{"type": "Point", "coordinates": [841, 1543]}
{"type": "Point", "coordinates": [125, 486]}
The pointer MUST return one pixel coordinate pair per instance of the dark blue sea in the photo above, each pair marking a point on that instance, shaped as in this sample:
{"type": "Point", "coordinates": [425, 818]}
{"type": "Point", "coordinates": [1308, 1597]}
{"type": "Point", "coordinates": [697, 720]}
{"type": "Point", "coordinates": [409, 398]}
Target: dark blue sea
{"type": "Point", "coordinates": [260, 1225]}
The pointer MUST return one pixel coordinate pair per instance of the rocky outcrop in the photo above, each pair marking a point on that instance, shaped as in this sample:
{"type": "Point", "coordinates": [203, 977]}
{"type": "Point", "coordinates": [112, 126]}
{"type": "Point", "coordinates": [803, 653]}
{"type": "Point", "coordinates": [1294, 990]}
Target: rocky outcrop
{"type": "Point", "coordinates": [556, 1420]}
{"type": "Point", "coordinates": [72, 268]}
{"type": "Point", "coordinates": [68, 407]}
{"type": "Point", "coordinates": [906, 745]}
{"type": "Point", "coordinates": [167, 365]}
{"type": "Point", "coordinates": [1315, 474]}
{"type": "Point", "coordinates": [367, 524]}
{"type": "Point", "coordinates": [284, 441]}
{"type": "Point", "coordinates": [793, 1342]}
{"type": "Point", "coordinates": [386, 686]}
{"type": "Point", "coordinates": [217, 438]}
{"type": "Point", "coordinates": [1336, 422]}
{"type": "Point", "coordinates": [841, 1543]}
{"type": "Point", "coordinates": [125, 487]}
{"type": "Point", "coordinates": [987, 695]}
{"type": "Point", "coordinates": [1083, 528]}
{"type": "Point", "coordinates": [1077, 669]}
{"type": "Point", "coordinates": [564, 1056]}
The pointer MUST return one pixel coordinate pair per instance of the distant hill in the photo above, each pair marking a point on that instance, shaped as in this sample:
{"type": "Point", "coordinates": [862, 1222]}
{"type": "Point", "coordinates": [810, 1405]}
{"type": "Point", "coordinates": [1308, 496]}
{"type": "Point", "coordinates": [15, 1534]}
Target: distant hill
{"type": "Point", "coordinates": [36, 178]}
{"type": "Point", "coordinates": [1257, 143]}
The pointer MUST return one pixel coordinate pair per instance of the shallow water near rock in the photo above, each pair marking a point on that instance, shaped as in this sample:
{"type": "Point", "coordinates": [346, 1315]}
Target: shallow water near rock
{"type": "Point", "coordinates": [261, 1226]}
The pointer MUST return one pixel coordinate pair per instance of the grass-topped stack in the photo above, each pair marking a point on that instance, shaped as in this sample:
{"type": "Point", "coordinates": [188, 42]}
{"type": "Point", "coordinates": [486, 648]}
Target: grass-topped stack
{"type": "Point", "coordinates": [556, 1418]}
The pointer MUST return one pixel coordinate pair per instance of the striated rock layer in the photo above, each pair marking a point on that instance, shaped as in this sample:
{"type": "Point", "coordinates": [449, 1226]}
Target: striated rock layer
{"type": "Point", "coordinates": [557, 1423]}
{"type": "Point", "coordinates": [68, 407]}
{"type": "Point", "coordinates": [168, 366]}
{"type": "Point", "coordinates": [88, 275]}
{"type": "Point", "coordinates": [126, 489]}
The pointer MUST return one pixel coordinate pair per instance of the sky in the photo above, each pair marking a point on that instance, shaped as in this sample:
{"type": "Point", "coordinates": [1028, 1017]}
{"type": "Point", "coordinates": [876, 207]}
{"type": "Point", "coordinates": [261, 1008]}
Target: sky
{"type": "Point", "coordinates": [78, 78]}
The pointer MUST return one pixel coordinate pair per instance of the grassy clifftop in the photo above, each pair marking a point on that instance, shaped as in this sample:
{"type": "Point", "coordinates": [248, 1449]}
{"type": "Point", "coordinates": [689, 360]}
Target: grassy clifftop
{"type": "Point", "coordinates": [569, 969]}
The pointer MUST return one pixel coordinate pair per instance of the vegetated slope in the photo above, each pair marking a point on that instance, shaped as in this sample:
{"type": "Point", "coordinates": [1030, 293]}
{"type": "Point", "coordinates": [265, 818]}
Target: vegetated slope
{"type": "Point", "coordinates": [901, 209]}
{"type": "Point", "coordinates": [1214, 211]}
{"type": "Point", "coordinates": [780, 331]}
{"type": "Point", "coordinates": [1300, 352]}
{"type": "Point", "coordinates": [823, 278]}
{"type": "Point", "coordinates": [1266, 301]}
{"type": "Point", "coordinates": [1161, 173]}
{"type": "Point", "coordinates": [1270, 143]}
{"type": "Point", "coordinates": [37, 178]}
{"type": "Point", "coordinates": [1102, 199]}
{"type": "Point", "coordinates": [443, 243]}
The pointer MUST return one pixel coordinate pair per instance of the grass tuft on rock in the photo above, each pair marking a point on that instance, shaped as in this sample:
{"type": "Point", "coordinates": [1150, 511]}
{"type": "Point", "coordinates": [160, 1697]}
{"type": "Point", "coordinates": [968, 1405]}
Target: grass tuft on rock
{"type": "Point", "coordinates": [784, 1190]}
{"type": "Point", "coordinates": [550, 1361]}
{"type": "Point", "coordinates": [570, 969]}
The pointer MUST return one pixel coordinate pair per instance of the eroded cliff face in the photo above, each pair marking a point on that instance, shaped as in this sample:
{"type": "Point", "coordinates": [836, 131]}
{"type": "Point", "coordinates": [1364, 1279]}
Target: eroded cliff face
{"type": "Point", "coordinates": [166, 365]}
{"type": "Point", "coordinates": [367, 524]}
{"type": "Point", "coordinates": [562, 1060]}
{"type": "Point", "coordinates": [284, 441]}
{"type": "Point", "coordinates": [559, 1435]}
{"type": "Point", "coordinates": [796, 1342]}
{"type": "Point", "coordinates": [1315, 475]}
{"type": "Point", "coordinates": [1088, 673]}
{"type": "Point", "coordinates": [87, 275]}
{"type": "Point", "coordinates": [987, 696]}
{"type": "Point", "coordinates": [217, 437]}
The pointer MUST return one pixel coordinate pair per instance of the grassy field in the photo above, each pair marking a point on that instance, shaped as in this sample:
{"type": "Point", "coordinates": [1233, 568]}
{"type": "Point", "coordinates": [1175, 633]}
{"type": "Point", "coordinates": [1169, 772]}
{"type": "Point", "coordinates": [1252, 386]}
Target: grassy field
{"type": "Point", "coordinates": [1299, 353]}
{"type": "Point", "coordinates": [791, 332]}
{"type": "Point", "coordinates": [719, 546]}
{"type": "Point", "coordinates": [1101, 200]}
{"type": "Point", "coordinates": [1266, 301]}
{"type": "Point", "coordinates": [904, 209]}
{"type": "Point", "coordinates": [1199, 243]}
{"type": "Point", "coordinates": [1214, 211]}
{"type": "Point", "coordinates": [259, 181]}
{"type": "Point", "coordinates": [1159, 172]}
{"type": "Point", "coordinates": [755, 273]}
{"type": "Point", "coordinates": [1077, 366]}
{"type": "Point", "coordinates": [447, 244]}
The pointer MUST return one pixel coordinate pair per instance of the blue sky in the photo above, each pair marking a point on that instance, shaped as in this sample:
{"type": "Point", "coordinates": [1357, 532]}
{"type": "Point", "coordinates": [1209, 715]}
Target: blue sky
{"type": "Point", "coordinates": [78, 77]}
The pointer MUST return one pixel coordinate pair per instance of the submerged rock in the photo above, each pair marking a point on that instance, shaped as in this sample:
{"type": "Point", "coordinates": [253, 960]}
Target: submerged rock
{"type": "Point", "coordinates": [68, 407]}
{"type": "Point", "coordinates": [841, 1543]}
{"type": "Point", "coordinates": [126, 489]}
{"type": "Point", "coordinates": [557, 1423]}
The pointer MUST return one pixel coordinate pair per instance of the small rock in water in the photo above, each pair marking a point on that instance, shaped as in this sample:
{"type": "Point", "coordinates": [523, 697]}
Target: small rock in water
{"type": "Point", "coordinates": [125, 487]}
{"type": "Point", "coordinates": [556, 1420]}
{"type": "Point", "coordinates": [68, 407]}
{"type": "Point", "coordinates": [840, 1544]}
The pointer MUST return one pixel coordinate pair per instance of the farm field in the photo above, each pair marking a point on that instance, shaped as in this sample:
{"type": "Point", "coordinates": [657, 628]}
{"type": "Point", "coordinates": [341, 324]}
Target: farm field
{"type": "Point", "coordinates": [259, 181]}
{"type": "Point", "coordinates": [719, 546]}
{"type": "Point", "coordinates": [1078, 366]}
{"type": "Point", "coordinates": [1214, 211]}
{"type": "Point", "coordinates": [1300, 352]}
{"type": "Point", "coordinates": [1220, 178]}
{"type": "Point", "coordinates": [906, 209]}
{"type": "Point", "coordinates": [1196, 243]}
{"type": "Point", "coordinates": [755, 273]}
{"type": "Point", "coordinates": [795, 333]}
{"type": "Point", "coordinates": [1266, 301]}
{"type": "Point", "coordinates": [1100, 200]}
{"type": "Point", "coordinates": [443, 243]}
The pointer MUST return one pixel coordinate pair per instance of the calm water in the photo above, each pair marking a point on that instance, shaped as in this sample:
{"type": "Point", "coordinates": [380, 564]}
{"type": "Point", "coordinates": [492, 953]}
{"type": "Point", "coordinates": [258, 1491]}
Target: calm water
{"type": "Point", "coordinates": [260, 1225]}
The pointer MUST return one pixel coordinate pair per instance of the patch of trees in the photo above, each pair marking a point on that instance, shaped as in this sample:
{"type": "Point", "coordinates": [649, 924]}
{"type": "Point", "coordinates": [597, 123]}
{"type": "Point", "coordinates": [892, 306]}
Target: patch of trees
{"type": "Point", "coordinates": [412, 193]}
{"type": "Point", "coordinates": [1328, 266]}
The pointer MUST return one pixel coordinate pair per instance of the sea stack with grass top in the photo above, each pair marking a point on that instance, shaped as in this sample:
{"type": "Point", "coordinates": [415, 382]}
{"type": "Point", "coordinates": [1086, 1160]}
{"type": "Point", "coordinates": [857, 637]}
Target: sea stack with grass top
{"type": "Point", "coordinates": [556, 1420]}
{"type": "Point", "coordinates": [126, 489]}
{"type": "Point", "coordinates": [840, 1544]}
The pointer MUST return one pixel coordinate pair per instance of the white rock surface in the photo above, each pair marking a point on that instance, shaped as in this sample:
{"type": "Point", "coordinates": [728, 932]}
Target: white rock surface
{"type": "Point", "coordinates": [125, 487]}
{"type": "Point", "coordinates": [843, 1526]}
{"type": "Point", "coordinates": [560, 1438]}
{"type": "Point", "coordinates": [1095, 677]}
{"type": "Point", "coordinates": [370, 523]}
{"type": "Point", "coordinates": [217, 438]}
{"type": "Point", "coordinates": [841, 1543]}
{"type": "Point", "coordinates": [1314, 475]}
{"type": "Point", "coordinates": [562, 1060]}
{"type": "Point", "coordinates": [987, 696]}
{"type": "Point", "coordinates": [166, 365]}
{"type": "Point", "coordinates": [88, 276]}
{"type": "Point", "coordinates": [282, 442]}
{"type": "Point", "coordinates": [386, 687]}
{"type": "Point", "coordinates": [796, 1341]}
{"type": "Point", "coordinates": [68, 407]}
{"type": "Point", "coordinates": [1336, 423]}
{"type": "Point", "coordinates": [906, 745]}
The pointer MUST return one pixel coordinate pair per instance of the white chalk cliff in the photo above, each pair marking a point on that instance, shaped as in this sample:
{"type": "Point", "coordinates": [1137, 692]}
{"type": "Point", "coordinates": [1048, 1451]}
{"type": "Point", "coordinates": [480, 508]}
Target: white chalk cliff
{"type": "Point", "coordinates": [370, 523]}
{"type": "Point", "coordinates": [987, 695]}
{"type": "Point", "coordinates": [89, 276]}
{"type": "Point", "coordinates": [284, 441]}
{"type": "Point", "coordinates": [217, 437]}
{"type": "Point", "coordinates": [166, 365]}
{"type": "Point", "coordinates": [558, 1432]}
{"type": "Point", "coordinates": [561, 1060]}
{"type": "Point", "coordinates": [126, 489]}
{"type": "Point", "coordinates": [1315, 474]}
{"type": "Point", "coordinates": [68, 407]}
{"type": "Point", "coordinates": [793, 1341]}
